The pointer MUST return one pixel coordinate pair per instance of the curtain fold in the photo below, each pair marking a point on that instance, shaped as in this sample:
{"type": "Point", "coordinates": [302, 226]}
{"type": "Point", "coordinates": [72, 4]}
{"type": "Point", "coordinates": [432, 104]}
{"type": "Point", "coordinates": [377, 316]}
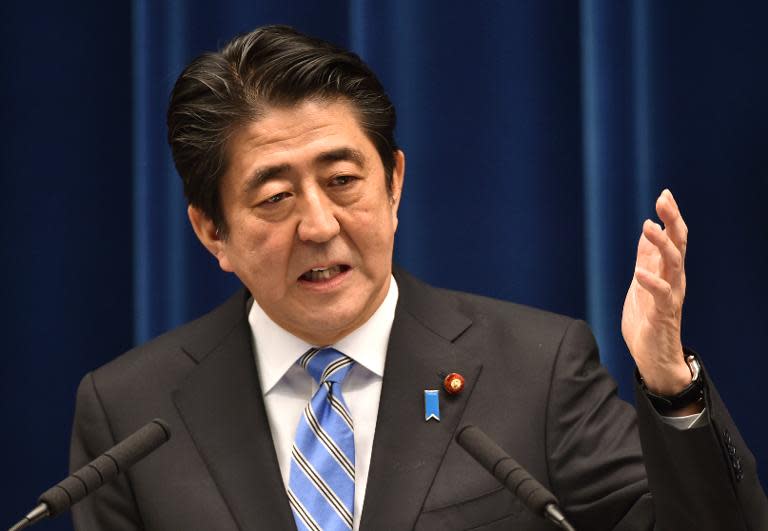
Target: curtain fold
{"type": "Point", "coordinates": [619, 190]}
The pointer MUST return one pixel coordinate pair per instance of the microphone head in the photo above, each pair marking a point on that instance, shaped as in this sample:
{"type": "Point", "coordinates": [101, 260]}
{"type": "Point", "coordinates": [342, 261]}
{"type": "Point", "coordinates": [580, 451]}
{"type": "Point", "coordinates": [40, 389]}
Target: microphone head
{"type": "Point", "coordinates": [166, 428]}
{"type": "Point", "coordinates": [505, 469]}
{"type": "Point", "coordinates": [106, 467]}
{"type": "Point", "coordinates": [480, 446]}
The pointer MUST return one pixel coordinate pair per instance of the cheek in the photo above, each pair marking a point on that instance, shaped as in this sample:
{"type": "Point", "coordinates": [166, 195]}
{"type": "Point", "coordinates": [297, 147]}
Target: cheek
{"type": "Point", "coordinates": [373, 232]}
{"type": "Point", "coordinates": [263, 250]}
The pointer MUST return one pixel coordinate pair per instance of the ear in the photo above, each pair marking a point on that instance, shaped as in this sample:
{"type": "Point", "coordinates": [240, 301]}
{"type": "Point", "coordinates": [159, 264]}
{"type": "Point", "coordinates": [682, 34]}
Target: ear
{"type": "Point", "coordinates": [398, 174]}
{"type": "Point", "coordinates": [206, 232]}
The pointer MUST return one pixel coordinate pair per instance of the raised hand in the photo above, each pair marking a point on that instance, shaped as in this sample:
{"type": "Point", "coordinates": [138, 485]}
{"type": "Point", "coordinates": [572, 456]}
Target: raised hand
{"type": "Point", "coordinates": [653, 308]}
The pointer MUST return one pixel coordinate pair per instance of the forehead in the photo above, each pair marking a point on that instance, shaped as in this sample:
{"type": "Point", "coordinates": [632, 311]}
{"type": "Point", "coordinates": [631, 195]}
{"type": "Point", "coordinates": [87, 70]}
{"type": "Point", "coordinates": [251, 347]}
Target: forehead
{"type": "Point", "coordinates": [288, 134]}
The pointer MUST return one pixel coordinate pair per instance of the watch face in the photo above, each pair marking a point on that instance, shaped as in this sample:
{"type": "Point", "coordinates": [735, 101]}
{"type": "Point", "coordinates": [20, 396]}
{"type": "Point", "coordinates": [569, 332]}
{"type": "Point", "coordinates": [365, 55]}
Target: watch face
{"type": "Point", "coordinates": [693, 364]}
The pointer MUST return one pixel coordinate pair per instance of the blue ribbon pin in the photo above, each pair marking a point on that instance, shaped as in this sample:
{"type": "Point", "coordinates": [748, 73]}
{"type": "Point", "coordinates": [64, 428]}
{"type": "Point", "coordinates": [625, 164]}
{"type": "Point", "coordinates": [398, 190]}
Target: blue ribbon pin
{"type": "Point", "coordinates": [431, 405]}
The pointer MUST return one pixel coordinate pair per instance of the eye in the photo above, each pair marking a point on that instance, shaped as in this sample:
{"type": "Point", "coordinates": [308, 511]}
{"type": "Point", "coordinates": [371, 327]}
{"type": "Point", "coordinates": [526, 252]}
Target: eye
{"type": "Point", "coordinates": [342, 180]}
{"type": "Point", "coordinates": [275, 198]}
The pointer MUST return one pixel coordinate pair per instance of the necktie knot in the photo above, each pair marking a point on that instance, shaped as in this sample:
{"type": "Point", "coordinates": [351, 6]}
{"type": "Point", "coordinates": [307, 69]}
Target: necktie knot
{"type": "Point", "coordinates": [326, 365]}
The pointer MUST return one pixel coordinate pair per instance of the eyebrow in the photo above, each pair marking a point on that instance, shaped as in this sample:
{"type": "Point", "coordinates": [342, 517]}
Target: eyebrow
{"type": "Point", "coordinates": [263, 175]}
{"type": "Point", "coordinates": [342, 154]}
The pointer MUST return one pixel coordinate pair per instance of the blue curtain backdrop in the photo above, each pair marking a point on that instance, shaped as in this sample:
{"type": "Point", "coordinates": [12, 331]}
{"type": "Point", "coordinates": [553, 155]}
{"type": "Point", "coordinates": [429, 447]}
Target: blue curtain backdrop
{"type": "Point", "coordinates": [537, 136]}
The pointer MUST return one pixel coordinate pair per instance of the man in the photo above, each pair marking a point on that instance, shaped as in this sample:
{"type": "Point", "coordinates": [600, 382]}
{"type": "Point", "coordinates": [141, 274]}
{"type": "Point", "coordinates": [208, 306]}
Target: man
{"type": "Point", "coordinates": [299, 403]}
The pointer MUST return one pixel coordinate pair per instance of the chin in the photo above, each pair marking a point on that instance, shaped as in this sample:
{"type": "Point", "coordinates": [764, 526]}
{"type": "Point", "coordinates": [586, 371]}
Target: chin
{"type": "Point", "coordinates": [331, 327]}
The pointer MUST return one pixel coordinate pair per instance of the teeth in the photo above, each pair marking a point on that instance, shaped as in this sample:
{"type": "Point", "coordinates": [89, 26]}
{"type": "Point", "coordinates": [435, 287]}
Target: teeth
{"type": "Point", "coordinates": [322, 273]}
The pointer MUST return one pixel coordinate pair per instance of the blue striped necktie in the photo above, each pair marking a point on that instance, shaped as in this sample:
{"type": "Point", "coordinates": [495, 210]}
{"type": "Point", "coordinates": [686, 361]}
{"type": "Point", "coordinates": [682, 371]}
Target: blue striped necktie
{"type": "Point", "coordinates": [321, 488]}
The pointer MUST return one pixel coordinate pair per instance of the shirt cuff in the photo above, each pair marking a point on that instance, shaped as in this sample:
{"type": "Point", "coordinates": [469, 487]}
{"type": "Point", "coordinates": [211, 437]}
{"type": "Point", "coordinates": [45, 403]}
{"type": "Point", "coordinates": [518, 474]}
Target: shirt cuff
{"type": "Point", "coordinates": [687, 422]}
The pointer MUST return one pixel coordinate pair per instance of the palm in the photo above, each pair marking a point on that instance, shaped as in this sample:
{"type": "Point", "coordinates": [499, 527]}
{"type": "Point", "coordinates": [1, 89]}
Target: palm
{"type": "Point", "coordinates": [651, 318]}
{"type": "Point", "coordinates": [642, 318]}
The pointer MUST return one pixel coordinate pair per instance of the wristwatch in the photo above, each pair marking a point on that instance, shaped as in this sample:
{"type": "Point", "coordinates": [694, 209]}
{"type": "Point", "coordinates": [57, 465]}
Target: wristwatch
{"type": "Point", "coordinates": [690, 395]}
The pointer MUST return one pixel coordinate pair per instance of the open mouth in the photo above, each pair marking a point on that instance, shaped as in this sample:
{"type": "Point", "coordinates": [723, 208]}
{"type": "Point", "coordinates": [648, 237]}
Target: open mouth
{"type": "Point", "coordinates": [319, 274]}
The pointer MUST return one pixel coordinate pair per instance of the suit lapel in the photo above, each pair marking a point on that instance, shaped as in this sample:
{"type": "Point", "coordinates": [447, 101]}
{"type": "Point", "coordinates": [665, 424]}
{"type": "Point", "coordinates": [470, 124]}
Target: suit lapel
{"type": "Point", "coordinates": [223, 410]}
{"type": "Point", "coordinates": [407, 450]}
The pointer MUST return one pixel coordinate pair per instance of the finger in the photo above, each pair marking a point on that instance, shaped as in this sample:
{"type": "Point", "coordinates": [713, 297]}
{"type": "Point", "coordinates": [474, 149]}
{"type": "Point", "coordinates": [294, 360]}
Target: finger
{"type": "Point", "coordinates": [669, 213]}
{"type": "Point", "coordinates": [671, 257]}
{"type": "Point", "coordinates": [659, 289]}
{"type": "Point", "coordinates": [648, 255]}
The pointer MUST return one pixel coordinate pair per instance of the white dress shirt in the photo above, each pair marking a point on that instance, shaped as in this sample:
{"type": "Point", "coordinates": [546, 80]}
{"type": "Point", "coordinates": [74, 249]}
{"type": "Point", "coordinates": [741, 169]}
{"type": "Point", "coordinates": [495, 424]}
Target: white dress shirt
{"type": "Point", "coordinates": [287, 387]}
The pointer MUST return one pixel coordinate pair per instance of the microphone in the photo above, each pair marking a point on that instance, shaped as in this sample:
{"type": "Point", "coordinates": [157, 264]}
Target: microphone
{"type": "Point", "coordinates": [98, 472]}
{"type": "Point", "coordinates": [513, 476]}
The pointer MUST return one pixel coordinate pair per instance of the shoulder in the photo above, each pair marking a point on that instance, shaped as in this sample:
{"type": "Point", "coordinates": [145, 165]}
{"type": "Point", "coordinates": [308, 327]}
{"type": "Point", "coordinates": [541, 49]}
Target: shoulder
{"type": "Point", "coordinates": [167, 358]}
{"type": "Point", "coordinates": [499, 321]}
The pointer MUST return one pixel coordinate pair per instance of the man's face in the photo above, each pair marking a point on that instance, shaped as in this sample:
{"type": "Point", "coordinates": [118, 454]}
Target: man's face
{"type": "Point", "coordinates": [311, 222]}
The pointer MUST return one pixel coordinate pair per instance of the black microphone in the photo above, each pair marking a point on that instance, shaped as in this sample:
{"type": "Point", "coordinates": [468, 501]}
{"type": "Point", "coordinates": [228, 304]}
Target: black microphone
{"type": "Point", "coordinates": [101, 470]}
{"type": "Point", "coordinates": [513, 476]}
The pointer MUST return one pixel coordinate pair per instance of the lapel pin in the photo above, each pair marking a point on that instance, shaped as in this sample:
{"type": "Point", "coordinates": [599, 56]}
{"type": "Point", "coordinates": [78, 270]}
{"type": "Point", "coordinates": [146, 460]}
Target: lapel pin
{"type": "Point", "coordinates": [453, 383]}
{"type": "Point", "coordinates": [431, 405]}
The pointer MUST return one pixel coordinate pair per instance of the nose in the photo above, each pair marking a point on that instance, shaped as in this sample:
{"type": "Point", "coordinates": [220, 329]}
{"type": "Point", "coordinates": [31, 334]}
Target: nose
{"type": "Point", "coordinates": [318, 222]}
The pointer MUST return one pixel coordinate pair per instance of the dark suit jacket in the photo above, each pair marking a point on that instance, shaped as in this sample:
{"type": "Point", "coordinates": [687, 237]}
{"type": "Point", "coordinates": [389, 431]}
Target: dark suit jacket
{"type": "Point", "coordinates": [533, 383]}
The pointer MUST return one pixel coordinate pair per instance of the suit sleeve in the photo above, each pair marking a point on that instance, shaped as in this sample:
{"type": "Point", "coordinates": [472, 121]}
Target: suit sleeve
{"type": "Point", "coordinates": [595, 461]}
{"type": "Point", "coordinates": [704, 477]}
{"type": "Point", "coordinates": [606, 479]}
{"type": "Point", "coordinates": [112, 506]}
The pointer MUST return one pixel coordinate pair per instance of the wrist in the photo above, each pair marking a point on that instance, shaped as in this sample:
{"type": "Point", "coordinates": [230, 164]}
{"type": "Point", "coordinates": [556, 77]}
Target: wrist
{"type": "Point", "coordinates": [669, 380]}
{"type": "Point", "coordinates": [686, 401]}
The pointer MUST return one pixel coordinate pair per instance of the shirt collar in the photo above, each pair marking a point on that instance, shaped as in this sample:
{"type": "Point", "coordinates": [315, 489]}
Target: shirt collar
{"type": "Point", "coordinates": [276, 349]}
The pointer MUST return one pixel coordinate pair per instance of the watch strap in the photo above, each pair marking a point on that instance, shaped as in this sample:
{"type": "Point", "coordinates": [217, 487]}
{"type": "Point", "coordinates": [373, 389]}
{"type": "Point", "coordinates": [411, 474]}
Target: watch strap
{"type": "Point", "coordinates": [693, 393]}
